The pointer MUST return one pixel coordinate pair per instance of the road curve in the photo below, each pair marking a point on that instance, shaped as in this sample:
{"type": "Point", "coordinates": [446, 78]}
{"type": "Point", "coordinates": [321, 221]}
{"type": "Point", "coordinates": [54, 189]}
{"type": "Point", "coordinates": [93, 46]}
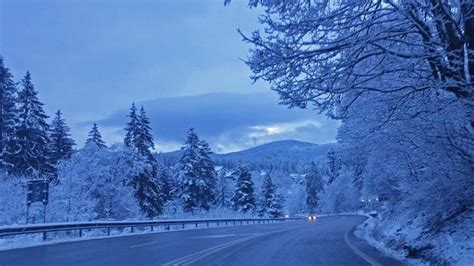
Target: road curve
{"type": "Point", "coordinates": [328, 241]}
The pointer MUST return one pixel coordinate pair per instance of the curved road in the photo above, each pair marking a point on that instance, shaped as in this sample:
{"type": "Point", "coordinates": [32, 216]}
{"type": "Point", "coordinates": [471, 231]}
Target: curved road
{"type": "Point", "coordinates": [328, 241]}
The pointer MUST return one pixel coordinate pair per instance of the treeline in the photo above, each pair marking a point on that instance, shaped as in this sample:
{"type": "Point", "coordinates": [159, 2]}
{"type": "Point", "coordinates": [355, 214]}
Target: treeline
{"type": "Point", "coordinates": [29, 146]}
{"type": "Point", "coordinates": [122, 181]}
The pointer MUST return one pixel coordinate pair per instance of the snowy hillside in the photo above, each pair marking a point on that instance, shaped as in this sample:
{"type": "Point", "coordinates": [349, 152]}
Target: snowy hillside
{"type": "Point", "coordinates": [289, 156]}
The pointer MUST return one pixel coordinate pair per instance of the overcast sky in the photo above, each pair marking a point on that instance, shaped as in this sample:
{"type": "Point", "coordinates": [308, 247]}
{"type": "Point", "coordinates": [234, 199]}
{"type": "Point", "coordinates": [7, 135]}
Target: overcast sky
{"type": "Point", "coordinates": [180, 59]}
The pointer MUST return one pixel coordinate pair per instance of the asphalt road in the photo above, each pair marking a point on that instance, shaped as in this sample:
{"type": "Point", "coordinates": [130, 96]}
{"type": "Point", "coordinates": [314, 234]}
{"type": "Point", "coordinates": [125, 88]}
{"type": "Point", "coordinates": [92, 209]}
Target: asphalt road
{"type": "Point", "coordinates": [328, 241]}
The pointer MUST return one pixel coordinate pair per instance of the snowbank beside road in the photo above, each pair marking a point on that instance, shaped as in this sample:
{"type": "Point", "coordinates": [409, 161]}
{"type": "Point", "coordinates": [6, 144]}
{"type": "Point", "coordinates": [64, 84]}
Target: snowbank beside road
{"type": "Point", "coordinates": [406, 238]}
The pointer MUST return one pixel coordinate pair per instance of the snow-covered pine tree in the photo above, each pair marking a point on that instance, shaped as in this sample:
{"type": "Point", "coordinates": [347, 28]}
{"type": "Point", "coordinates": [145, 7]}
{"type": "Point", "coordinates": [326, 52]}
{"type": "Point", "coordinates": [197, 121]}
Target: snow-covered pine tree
{"type": "Point", "coordinates": [334, 166]}
{"type": "Point", "coordinates": [131, 129]}
{"type": "Point", "coordinates": [222, 192]}
{"type": "Point", "coordinates": [144, 139]}
{"type": "Point", "coordinates": [243, 199]}
{"type": "Point", "coordinates": [138, 137]}
{"type": "Point", "coordinates": [271, 202]}
{"type": "Point", "coordinates": [208, 174]}
{"type": "Point", "coordinates": [148, 193]}
{"type": "Point", "coordinates": [32, 156]}
{"type": "Point", "coordinates": [166, 182]}
{"type": "Point", "coordinates": [62, 145]}
{"type": "Point", "coordinates": [314, 186]}
{"type": "Point", "coordinates": [95, 138]}
{"type": "Point", "coordinates": [8, 118]}
{"type": "Point", "coordinates": [196, 174]}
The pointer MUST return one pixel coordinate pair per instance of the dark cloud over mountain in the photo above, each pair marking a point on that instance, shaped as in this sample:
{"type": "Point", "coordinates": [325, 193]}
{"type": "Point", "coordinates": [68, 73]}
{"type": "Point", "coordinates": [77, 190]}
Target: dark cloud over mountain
{"type": "Point", "coordinates": [230, 121]}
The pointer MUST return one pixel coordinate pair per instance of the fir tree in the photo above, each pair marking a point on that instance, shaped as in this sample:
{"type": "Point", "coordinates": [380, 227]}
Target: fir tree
{"type": "Point", "coordinates": [32, 157]}
{"type": "Point", "coordinates": [167, 184]}
{"type": "Point", "coordinates": [131, 129]}
{"type": "Point", "coordinates": [8, 118]}
{"type": "Point", "coordinates": [243, 199]}
{"type": "Point", "coordinates": [271, 202]}
{"type": "Point", "coordinates": [138, 137]}
{"type": "Point", "coordinates": [222, 191]}
{"type": "Point", "coordinates": [334, 166]}
{"type": "Point", "coordinates": [62, 145]}
{"type": "Point", "coordinates": [95, 138]}
{"type": "Point", "coordinates": [196, 174]}
{"type": "Point", "coordinates": [208, 174]}
{"type": "Point", "coordinates": [148, 194]}
{"type": "Point", "coordinates": [314, 186]}
{"type": "Point", "coordinates": [144, 141]}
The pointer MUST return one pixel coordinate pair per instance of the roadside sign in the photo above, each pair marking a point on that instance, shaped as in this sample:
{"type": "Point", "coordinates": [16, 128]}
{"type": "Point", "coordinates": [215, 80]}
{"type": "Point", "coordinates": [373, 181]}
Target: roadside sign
{"type": "Point", "coordinates": [37, 191]}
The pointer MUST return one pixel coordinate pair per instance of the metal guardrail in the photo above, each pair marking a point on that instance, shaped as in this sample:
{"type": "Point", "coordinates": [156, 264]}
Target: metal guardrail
{"type": "Point", "coordinates": [166, 224]}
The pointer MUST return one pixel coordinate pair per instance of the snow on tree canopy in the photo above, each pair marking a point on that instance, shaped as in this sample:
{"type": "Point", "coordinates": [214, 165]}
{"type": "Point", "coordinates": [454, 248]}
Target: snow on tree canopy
{"type": "Point", "coordinates": [95, 138]}
{"type": "Point", "coordinates": [271, 202]}
{"type": "Point", "coordinates": [8, 118]}
{"type": "Point", "coordinates": [196, 173]}
{"type": "Point", "coordinates": [32, 151]}
{"type": "Point", "coordinates": [244, 199]}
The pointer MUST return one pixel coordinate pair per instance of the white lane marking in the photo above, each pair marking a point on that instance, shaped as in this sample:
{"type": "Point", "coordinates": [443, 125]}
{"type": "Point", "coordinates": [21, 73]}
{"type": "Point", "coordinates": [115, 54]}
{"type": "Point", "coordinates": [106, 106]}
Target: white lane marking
{"type": "Point", "coordinates": [144, 244]}
{"type": "Point", "coordinates": [213, 251]}
{"type": "Point", "coordinates": [182, 260]}
{"type": "Point", "coordinates": [359, 252]}
{"type": "Point", "coordinates": [222, 236]}
{"type": "Point", "coordinates": [192, 258]}
{"type": "Point", "coordinates": [216, 236]}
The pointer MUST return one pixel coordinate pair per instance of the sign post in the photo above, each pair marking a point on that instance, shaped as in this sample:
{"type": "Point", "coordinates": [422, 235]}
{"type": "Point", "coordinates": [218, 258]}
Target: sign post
{"type": "Point", "coordinates": [38, 191]}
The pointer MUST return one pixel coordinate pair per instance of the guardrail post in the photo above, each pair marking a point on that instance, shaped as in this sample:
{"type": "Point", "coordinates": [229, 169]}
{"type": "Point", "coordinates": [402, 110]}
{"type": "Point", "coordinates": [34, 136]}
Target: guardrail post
{"type": "Point", "coordinates": [225, 222]}
{"type": "Point", "coordinates": [207, 224]}
{"type": "Point", "coordinates": [167, 227]}
{"type": "Point", "coordinates": [44, 236]}
{"type": "Point", "coordinates": [217, 223]}
{"type": "Point", "coordinates": [196, 225]}
{"type": "Point", "coordinates": [80, 232]}
{"type": "Point", "coordinates": [183, 225]}
{"type": "Point", "coordinates": [151, 227]}
{"type": "Point", "coordinates": [131, 229]}
{"type": "Point", "coordinates": [108, 231]}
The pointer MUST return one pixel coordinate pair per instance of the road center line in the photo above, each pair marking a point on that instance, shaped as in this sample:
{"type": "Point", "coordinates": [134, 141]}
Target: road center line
{"type": "Point", "coordinates": [216, 236]}
{"type": "Point", "coordinates": [144, 244]}
{"type": "Point", "coordinates": [189, 259]}
{"type": "Point", "coordinates": [222, 236]}
{"type": "Point", "coordinates": [181, 260]}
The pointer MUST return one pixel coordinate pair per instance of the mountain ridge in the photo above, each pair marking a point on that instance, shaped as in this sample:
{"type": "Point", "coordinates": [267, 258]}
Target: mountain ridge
{"type": "Point", "coordinates": [291, 156]}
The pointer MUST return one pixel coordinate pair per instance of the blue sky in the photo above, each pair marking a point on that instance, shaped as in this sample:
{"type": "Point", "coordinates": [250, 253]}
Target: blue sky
{"type": "Point", "coordinates": [180, 59]}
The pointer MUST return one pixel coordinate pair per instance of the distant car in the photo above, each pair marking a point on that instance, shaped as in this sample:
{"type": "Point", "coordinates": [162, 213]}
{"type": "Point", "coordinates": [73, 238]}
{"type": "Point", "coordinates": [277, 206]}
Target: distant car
{"type": "Point", "coordinates": [312, 217]}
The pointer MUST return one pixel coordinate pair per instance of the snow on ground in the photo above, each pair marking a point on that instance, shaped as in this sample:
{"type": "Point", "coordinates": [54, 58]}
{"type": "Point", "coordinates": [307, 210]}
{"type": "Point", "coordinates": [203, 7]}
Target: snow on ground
{"type": "Point", "coordinates": [452, 245]}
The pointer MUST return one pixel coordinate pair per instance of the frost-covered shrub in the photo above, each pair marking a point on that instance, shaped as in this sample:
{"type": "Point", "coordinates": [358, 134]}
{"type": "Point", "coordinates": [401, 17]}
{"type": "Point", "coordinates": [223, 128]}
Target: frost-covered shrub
{"type": "Point", "coordinates": [95, 184]}
{"type": "Point", "coordinates": [12, 200]}
{"type": "Point", "coordinates": [341, 195]}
